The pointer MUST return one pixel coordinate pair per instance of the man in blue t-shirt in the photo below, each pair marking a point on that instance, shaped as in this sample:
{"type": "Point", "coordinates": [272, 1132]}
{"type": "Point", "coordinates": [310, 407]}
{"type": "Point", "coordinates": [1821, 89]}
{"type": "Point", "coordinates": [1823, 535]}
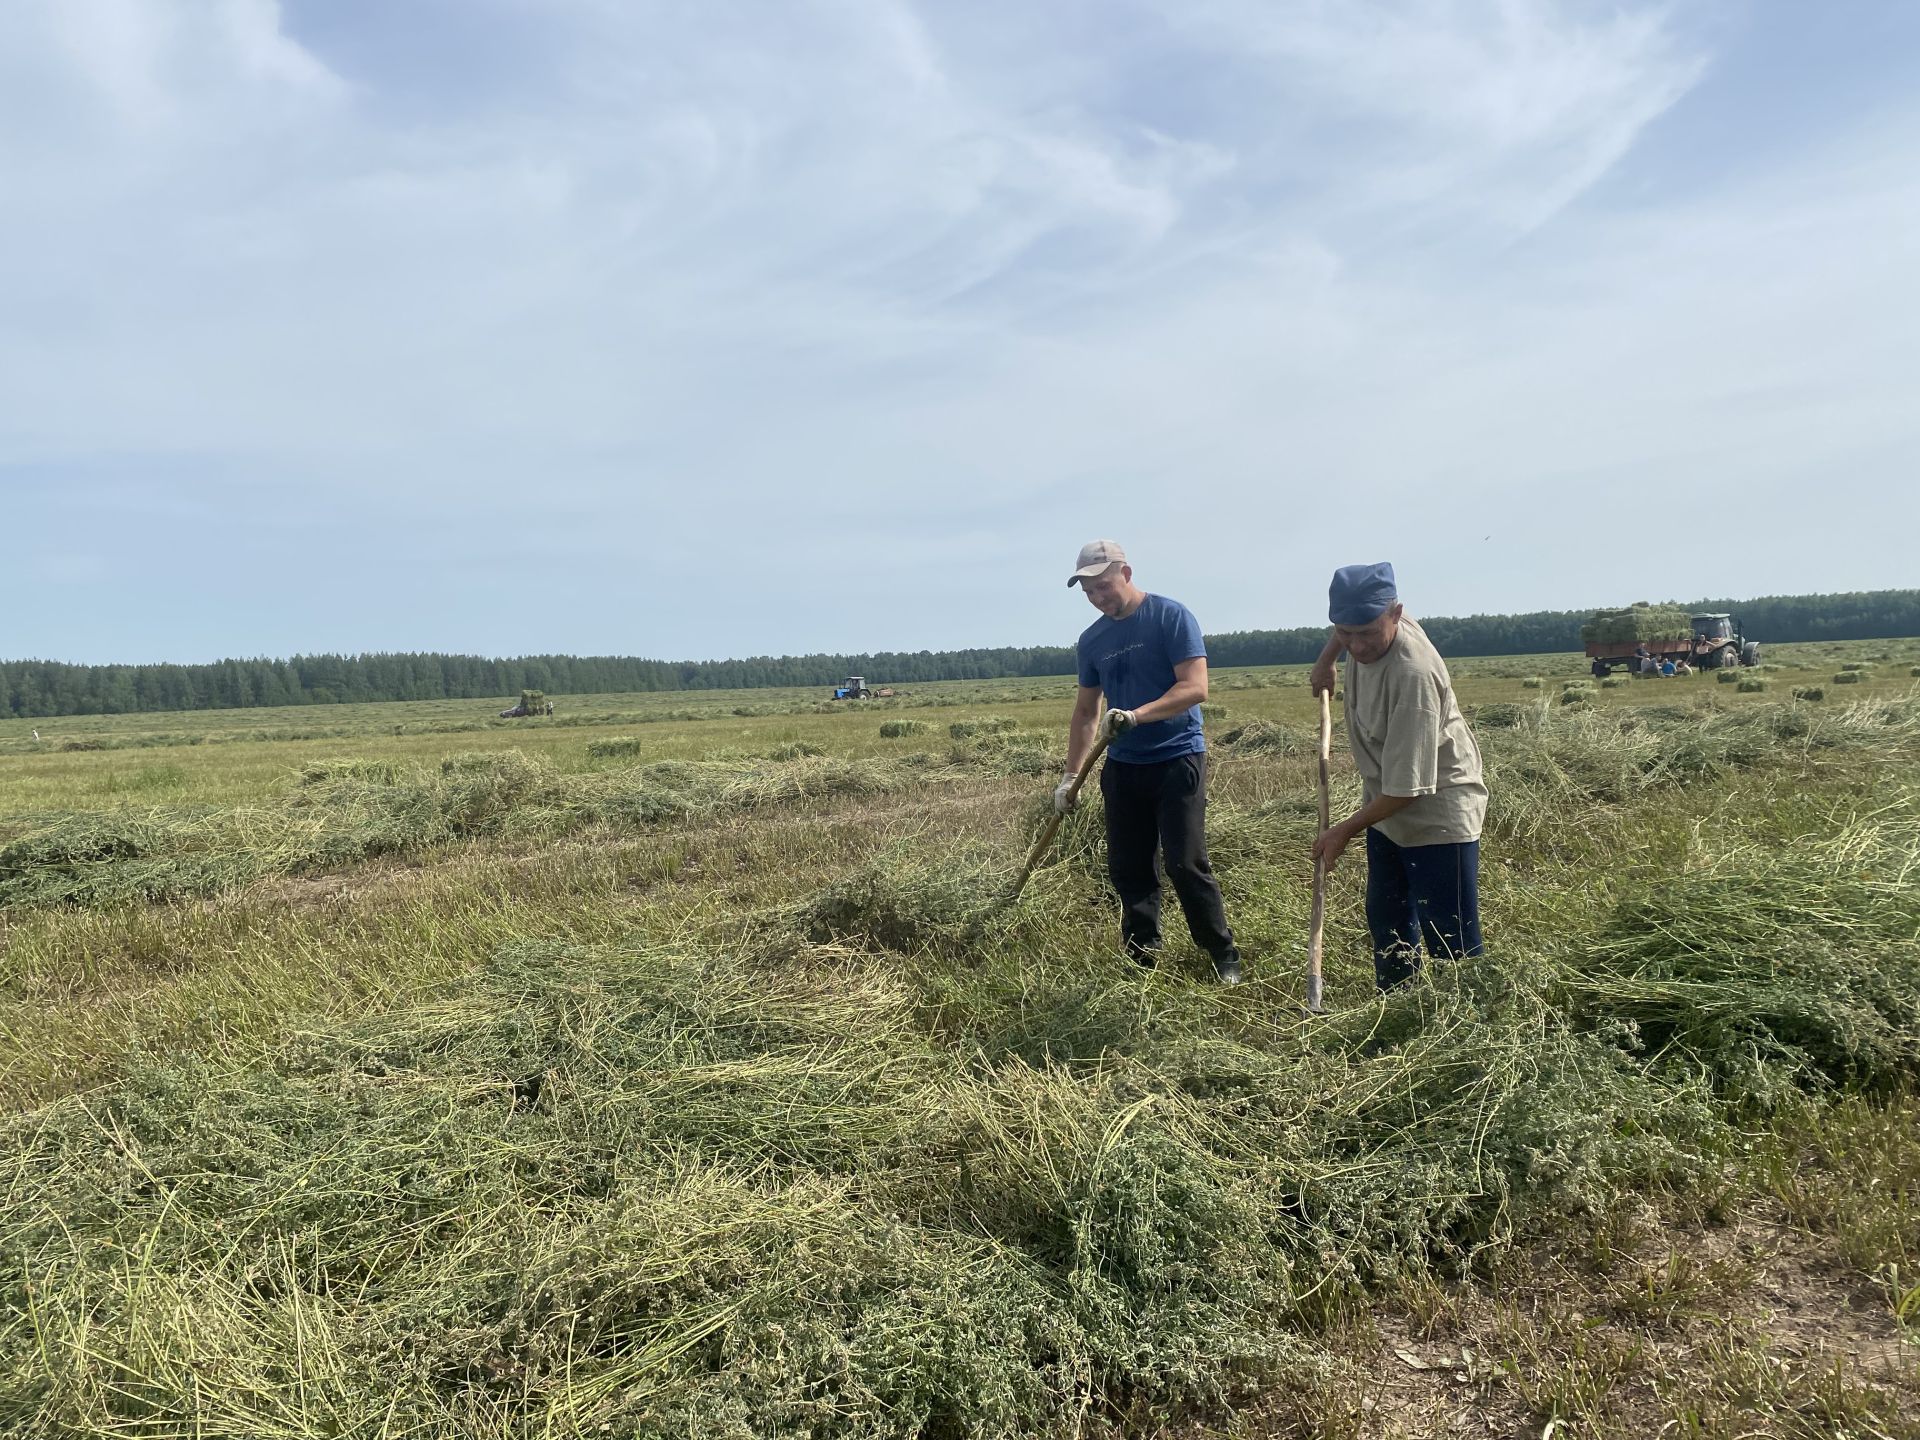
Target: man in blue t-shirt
{"type": "Point", "coordinates": [1146, 656]}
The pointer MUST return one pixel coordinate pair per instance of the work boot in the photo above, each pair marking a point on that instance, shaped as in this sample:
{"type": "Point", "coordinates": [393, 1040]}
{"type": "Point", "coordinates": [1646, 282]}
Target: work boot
{"type": "Point", "coordinates": [1227, 970]}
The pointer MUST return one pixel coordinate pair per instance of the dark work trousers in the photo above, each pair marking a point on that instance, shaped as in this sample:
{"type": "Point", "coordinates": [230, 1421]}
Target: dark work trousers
{"type": "Point", "coordinates": [1420, 894]}
{"type": "Point", "coordinates": [1156, 809]}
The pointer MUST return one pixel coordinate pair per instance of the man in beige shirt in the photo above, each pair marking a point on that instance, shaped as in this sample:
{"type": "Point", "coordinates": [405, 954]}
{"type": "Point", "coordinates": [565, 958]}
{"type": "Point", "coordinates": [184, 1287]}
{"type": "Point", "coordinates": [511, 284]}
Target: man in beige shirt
{"type": "Point", "coordinates": [1423, 801]}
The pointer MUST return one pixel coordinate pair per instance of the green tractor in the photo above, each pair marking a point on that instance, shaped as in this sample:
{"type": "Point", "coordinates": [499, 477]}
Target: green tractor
{"type": "Point", "coordinates": [1719, 645]}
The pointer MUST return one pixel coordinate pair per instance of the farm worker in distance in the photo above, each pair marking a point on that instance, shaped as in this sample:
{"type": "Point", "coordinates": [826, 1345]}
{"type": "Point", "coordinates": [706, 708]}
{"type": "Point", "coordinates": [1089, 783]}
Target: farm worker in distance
{"type": "Point", "coordinates": [1146, 656]}
{"type": "Point", "coordinates": [1423, 802]}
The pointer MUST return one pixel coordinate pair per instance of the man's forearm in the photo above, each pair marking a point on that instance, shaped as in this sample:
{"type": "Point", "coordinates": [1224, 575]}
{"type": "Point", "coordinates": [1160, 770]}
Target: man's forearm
{"type": "Point", "coordinates": [1182, 697]}
{"type": "Point", "coordinates": [1322, 678]}
{"type": "Point", "coordinates": [1080, 733]}
{"type": "Point", "coordinates": [1376, 810]}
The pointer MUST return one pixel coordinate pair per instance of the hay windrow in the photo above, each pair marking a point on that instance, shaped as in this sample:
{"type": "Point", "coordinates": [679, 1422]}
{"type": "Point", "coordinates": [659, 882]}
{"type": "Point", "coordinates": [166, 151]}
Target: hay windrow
{"type": "Point", "coordinates": [344, 812]}
{"type": "Point", "coordinates": [1546, 771]}
{"type": "Point", "coordinates": [989, 725]}
{"type": "Point", "coordinates": [1264, 737]}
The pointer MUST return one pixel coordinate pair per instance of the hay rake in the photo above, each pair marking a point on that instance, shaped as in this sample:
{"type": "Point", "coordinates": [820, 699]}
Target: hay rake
{"type": "Point", "coordinates": [1052, 828]}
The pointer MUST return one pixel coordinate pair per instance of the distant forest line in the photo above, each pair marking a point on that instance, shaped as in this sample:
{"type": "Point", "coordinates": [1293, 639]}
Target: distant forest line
{"type": "Point", "coordinates": [31, 688]}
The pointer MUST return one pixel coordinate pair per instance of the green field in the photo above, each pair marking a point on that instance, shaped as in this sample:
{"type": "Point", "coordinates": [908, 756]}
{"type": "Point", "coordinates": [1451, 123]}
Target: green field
{"type": "Point", "coordinates": [673, 1067]}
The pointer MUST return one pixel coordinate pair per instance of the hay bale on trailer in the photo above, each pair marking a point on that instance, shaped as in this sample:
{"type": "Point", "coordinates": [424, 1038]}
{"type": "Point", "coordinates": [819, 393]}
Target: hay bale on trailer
{"type": "Point", "coordinates": [1634, 624]}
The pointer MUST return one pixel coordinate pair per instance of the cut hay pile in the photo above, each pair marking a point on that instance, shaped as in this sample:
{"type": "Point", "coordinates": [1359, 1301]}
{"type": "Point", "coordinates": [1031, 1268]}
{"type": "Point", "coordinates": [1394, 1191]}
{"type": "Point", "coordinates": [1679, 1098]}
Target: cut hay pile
{"type": "Point", "coordinates": [1264, 737]}
{"type": "Point", "coordinates": [793, 750]}
{"type": "Point", "coordinates": [904, 902]}
{"type": "Point", "coordinates": [932, 1186]}
{"type": "Point", "coordinates": [615, 745]}
{"type": "Point", "coordinates": [1500, 715]}
{"type": "Point", "coordinates": [991, 725]}
{"type": "Point", "coordinates": [898, 729]}
{"type": "Point", "coordinates": [1636, 622]}
{"type": "Point", "coordinates": [1007, 751]}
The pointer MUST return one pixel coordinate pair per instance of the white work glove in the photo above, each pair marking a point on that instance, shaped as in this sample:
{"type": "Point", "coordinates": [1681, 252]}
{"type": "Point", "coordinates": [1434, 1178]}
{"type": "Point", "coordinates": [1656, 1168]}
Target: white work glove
{"type": "Point", "coordinates": [1117, 723]}
{"type": "Point", "coordinates": [1063, 797]}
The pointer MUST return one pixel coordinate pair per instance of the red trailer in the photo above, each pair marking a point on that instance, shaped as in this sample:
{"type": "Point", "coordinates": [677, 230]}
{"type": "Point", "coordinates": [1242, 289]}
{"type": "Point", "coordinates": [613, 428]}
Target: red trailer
{"type": "Point", "coordinates": [1607, 655]}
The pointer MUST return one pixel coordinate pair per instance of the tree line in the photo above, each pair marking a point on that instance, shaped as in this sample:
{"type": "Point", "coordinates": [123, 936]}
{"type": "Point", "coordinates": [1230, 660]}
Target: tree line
{"type": "Point", "coordinates": [30, 688]}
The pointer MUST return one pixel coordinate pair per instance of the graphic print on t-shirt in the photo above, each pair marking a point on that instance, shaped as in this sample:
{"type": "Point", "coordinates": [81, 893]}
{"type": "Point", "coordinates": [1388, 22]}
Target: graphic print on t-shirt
{"type": "Point", "coordinates": [1131, 662]}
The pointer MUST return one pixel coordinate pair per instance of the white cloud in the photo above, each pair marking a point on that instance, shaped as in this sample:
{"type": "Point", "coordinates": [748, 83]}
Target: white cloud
{"type": "Point", "coordinates": [793, 273]}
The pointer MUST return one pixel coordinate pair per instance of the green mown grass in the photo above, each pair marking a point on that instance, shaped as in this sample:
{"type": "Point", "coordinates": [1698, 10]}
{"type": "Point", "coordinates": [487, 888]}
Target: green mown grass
{"type": "Point", "coordinates": [720, 1092]}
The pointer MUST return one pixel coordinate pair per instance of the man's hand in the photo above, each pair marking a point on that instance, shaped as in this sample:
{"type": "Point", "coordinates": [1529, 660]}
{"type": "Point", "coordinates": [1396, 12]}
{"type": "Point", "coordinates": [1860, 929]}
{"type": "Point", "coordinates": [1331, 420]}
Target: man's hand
{"type": "Point", "coordinates": [1323, 678]}
{"type": "Point", "coordinates": [1117, 723]}
{"type": "Point", "coordinates": [1063, 797]}
{"type": "Point", "coordinates": [1331, 843]}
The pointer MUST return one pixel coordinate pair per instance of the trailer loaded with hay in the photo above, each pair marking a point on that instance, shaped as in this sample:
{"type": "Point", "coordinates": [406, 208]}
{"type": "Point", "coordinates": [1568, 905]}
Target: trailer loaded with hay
{"type": "Point", "coordinates": [532, 702]}
{"type": "Point", "coordinates": [1625, 639]}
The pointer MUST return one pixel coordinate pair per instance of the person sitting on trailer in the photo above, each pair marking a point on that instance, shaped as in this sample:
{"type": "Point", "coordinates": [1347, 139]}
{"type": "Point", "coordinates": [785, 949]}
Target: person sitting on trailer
{"type": "Point", "coordinates": [1423, 799]}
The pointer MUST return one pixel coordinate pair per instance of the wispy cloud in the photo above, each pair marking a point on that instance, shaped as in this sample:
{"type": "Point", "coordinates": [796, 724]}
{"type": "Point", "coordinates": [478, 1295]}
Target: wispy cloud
{"type": "Point", "coordinates": [690, 300]}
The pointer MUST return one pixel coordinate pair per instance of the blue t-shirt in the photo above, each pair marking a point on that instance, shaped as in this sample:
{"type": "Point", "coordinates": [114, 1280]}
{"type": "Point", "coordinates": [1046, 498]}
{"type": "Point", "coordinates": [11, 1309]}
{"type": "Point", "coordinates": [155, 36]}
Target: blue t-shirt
{"type": "Point", "coordinates": [1132, 661]}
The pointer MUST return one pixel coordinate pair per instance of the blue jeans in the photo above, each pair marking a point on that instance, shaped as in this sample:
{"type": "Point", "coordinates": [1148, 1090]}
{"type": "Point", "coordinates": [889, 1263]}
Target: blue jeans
{"type": "Point", "coordinates": [1420, 894]}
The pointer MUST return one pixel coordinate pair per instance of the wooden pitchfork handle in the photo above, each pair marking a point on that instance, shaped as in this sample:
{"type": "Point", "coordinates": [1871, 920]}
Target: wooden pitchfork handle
{"type": "Point", "coordinates": [1316, 943]}
{"type": "Point", "coordinates": [1053, 826]}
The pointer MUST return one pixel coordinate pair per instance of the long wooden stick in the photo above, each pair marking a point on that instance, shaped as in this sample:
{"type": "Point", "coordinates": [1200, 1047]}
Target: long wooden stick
{"type": "Point", "coordinates": [1053, 826]}
{"type": "Point", "coordinates": [1317, 941]}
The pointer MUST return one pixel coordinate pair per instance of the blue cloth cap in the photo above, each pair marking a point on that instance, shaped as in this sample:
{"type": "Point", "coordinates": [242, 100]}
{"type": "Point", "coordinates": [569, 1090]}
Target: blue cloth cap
{"type": "Point", "coordinates": [1361, 594]}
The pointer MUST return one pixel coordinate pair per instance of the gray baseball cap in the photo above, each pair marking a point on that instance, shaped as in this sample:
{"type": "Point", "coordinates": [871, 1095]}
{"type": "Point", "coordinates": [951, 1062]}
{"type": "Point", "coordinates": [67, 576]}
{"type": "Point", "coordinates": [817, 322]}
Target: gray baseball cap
{"type": "Point", "coordinates": [1096, 556]}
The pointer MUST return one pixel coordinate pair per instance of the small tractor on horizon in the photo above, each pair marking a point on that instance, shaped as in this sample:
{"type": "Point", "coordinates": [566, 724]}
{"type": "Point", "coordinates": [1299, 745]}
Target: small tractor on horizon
{"type": "Point", "coordinates": [854, 689]}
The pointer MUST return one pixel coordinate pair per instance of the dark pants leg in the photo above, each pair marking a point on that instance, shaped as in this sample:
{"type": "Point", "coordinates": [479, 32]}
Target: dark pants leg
{"type": "Point", "coordinates": [1163, 808]}
{"type": "Point", "coordinates": [1183, 840]}
{"type": "Point", "coordinates": [1133, 859]}
{"type": "Point", "coordinates": [1421, 895]}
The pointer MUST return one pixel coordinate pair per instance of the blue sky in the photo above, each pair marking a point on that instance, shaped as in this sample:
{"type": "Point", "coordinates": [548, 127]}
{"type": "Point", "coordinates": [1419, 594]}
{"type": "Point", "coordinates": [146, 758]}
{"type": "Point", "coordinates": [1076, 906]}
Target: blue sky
{"type": "Point", "coordinates": [703, 329]}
